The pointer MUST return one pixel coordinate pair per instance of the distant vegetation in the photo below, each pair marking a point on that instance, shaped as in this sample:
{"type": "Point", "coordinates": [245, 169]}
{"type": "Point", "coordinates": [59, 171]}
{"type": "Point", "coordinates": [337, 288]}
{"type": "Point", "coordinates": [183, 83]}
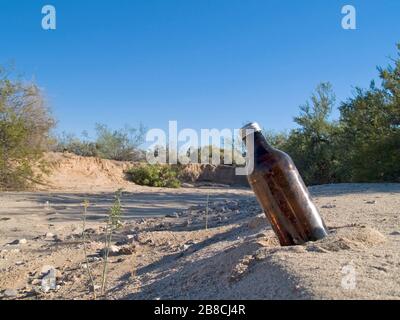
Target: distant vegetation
{"type": "Point", "coordinates": [155, 175]}
{"type": "Point", "coordinates": [122, 144]}
{"type": "Point", "coordinates": [363, 145]}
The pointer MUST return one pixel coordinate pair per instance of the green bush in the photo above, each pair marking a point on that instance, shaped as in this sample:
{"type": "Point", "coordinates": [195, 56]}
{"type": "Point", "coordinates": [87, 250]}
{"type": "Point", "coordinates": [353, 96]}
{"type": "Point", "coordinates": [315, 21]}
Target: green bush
{"type": "Point", "coordinates": [25, 123]}
{"type": "Point", "coordinates": [155, 175]}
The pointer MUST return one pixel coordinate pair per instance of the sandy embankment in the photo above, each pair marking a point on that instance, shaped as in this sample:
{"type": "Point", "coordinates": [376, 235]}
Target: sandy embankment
{"type": "Point", "coordinates": [176, 257]}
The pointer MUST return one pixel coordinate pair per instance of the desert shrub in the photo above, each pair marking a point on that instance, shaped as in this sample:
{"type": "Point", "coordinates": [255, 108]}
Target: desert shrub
{"type": "Point", "coordinates": [25, 123]}
{"type": "Point", "coordinates": [155, 175]}
{"type": "Point", "coordinates": [79, 146]}
{"type": "Point", "coordinates": [121, 144]}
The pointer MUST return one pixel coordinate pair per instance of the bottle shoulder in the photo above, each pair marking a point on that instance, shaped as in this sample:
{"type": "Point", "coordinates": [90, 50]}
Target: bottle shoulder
{"type": "Point", "coordinates": [273, 159]}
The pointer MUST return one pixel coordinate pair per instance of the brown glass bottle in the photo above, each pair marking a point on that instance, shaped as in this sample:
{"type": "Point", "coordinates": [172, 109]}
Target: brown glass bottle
{"type": "Point", "coordinates": [281, 192]}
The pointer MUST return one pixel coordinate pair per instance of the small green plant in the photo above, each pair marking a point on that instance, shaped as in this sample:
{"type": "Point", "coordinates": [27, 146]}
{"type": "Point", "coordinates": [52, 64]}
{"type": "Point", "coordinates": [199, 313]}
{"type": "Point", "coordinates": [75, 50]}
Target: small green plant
{"type": "Point", "coordinates": [155, 175]}
{"type": "Point", "coordinates": [84, 238]}
{"type": "Point", "coordinates": [113, 223]}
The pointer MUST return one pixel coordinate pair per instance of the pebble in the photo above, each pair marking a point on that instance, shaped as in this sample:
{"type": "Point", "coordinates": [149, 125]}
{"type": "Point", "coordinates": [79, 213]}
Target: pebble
{"type": "Point", "coordinates": [19, 263]}
{"type": "Point", "coordinates": [113, 250]}
{"type": "Point", "coordinates": [329, 206]}
{"type": "Point", "coordinates": [18, 241]}
{"type": "Point", "coordinates": [185, 247]}
{"type": "Point", "coordinates": [257, 222]}
{"type": "Point", "coordinates": [173, 215]}
{"type": "Point", "coordinates": [94, 259]}
{"type": "Point", "coordinates": [126, 250]}
{"type": "Point", "coordinates": [10, 293]}
{"type": "Point", "coordinates": [186, 185]}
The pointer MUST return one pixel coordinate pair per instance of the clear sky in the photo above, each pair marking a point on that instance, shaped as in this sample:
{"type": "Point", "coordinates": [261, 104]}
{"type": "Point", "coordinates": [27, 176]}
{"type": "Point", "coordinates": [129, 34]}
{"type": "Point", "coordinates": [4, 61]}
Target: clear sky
{"type": "Point", "coordinates": [204, 63]}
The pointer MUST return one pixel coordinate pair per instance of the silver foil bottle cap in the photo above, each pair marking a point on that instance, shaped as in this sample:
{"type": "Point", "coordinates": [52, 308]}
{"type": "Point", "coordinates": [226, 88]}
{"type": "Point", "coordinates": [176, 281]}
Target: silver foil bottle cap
{"type": "Point", "coordinates": [249, 128]}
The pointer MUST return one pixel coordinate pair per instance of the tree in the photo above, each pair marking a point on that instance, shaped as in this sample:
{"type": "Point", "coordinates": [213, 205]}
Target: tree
{"type": "Point", "coordinates": [370, 124]}
{"type": "Point", "coordinates": [25, 123]}
{"type": "Point", "coordinates": [120, 144]}
{"type": "Point", "coordinates": [312, 145]}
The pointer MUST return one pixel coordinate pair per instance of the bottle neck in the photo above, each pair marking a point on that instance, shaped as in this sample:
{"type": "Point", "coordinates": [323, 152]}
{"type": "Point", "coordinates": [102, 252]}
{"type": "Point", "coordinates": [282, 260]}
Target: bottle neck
{"type": "Point", "coordinates": [261, 145]}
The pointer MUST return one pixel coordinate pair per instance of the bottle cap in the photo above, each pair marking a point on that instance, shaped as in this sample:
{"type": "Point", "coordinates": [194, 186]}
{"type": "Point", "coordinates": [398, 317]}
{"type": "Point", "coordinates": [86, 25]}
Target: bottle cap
{"type": "Point", "coordinates": [248, 129]}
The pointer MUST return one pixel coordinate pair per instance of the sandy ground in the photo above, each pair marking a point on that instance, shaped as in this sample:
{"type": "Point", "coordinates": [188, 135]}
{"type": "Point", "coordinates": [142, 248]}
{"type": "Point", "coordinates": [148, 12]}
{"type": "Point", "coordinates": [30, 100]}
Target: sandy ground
{"type": "Point", "coordinates": [237, 256]}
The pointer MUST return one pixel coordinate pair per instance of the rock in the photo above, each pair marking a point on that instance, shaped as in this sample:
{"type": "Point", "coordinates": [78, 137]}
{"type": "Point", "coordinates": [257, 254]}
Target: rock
{"type": "Point", "coordinates": [90, 231]}
{"type": "Point", "coordinates": [18, 241]}
{"type": "Point", "coordinates": [329, 206]}
{"type": "Point", "coordinates": [185, 247]}
{"type": "Point", "coordinates": [49, 235]}
{"type": "Point", "coordinates": [260, 255]}
{"type": "Point", "coordinates": [58, 239]}
{"type": "Point", "coordinates": [19, 263]}
{"type": "Point", "coordinates": [5, 219]}
{"type": "Point", "coordinates": [257, 222]}
{"type": "Point", "coordinates": [186, 185]}
{"type": "Point", "coordinates": [36, 282]}
{"type": "Point", "coordinates": [130, 236]}
{"type": "Point", "coordinates": [94, 259]}
{"type": "Point", "coordinates": [112, 251]}
{"type": "Point", "coordinates": [173, 215]}
{"type": "Point", "coordinates": [395, 233]}
{"type": "Point", "coordinates": [261, 235]}
{"type": "Point", "coordinates": [10, 293]}
{"type": "Point", "coordinates": [371, 202]}
{"type": "Point", "coordinates": [126, 250]}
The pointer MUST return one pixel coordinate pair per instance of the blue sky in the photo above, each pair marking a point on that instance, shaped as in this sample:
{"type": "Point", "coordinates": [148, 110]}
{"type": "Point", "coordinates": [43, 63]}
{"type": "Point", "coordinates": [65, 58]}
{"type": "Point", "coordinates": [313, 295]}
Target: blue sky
{"type": "Point", "coordinates": [204, 63]}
